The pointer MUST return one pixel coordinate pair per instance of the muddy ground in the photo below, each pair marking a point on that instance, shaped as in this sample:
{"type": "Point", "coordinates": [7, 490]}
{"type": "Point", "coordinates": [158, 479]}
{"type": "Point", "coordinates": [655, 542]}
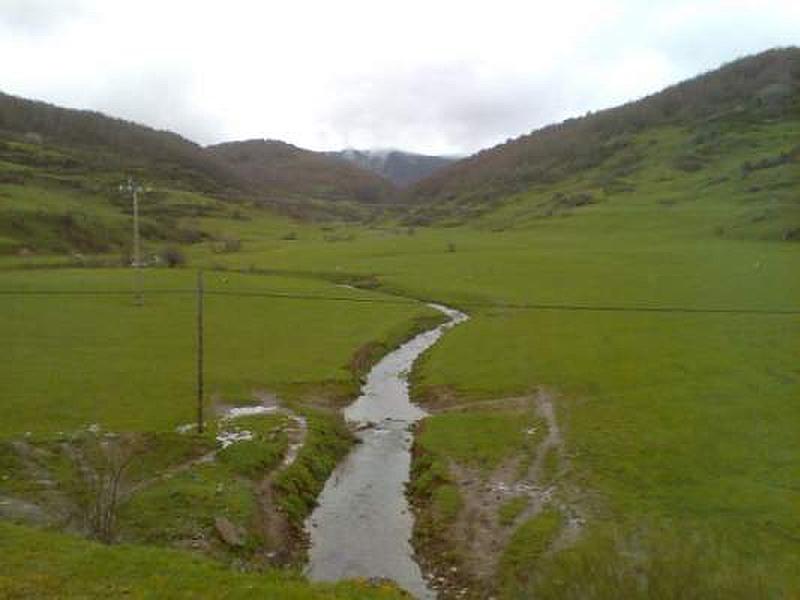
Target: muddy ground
{"type": "Point", "coordinates": [462, 561]}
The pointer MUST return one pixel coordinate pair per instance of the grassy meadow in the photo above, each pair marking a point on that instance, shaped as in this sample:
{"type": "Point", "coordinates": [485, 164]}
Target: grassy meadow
{"type": "Point", "coordinates": [75, 357]}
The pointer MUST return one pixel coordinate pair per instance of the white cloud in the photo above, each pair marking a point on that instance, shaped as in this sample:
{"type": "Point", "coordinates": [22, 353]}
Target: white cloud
{"type": "Point", "coordinates": [429, 76]}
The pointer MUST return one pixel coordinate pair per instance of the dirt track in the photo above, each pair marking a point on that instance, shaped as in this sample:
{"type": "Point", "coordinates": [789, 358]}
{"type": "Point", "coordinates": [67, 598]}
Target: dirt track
{"type": "Point", "coordinates": [478, 530]}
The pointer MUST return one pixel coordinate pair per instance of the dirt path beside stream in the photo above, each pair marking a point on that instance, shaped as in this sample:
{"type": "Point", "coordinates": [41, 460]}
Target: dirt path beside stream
{"type": "Point", "coordinates": [479, 534]}
{"type": "Point", "coordinates": [272, 521]}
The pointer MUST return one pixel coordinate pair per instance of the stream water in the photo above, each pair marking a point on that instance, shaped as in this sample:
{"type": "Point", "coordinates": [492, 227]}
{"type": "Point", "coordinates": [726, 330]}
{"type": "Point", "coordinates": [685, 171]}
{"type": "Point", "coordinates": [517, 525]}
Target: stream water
{"type": "Point", "coordinates": [362, 525]}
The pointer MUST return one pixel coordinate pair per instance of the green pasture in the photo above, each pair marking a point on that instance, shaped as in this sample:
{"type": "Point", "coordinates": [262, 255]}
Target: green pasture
{"type": "Point", "coordinates": [79, 355]}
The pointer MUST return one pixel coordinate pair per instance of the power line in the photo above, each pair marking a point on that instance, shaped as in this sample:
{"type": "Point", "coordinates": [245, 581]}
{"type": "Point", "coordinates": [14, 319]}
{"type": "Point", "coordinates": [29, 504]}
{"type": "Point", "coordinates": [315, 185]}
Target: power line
{"type": "Point", "coordinates": [242, 294]}
{"type": "Point", "coordinates": [646, 309]}
{"type": "Point", "coordinates": [89, 292]}
{"type": "Point", "coordinates": [295, 296]}
{"type": "Point", "coordinates": [524, 306]}
{"type": "Point", "coordinates": [410, 302]}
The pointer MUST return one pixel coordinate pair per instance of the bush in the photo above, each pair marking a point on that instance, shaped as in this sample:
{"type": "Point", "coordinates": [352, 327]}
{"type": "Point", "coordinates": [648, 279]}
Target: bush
{"type": "Point", "coordinates": [173, 257]}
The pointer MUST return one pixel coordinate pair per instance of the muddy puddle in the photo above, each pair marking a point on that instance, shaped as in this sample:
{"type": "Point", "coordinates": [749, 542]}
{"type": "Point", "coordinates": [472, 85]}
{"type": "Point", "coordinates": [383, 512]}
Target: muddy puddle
{"type": "Point", "coordinates": [362, 525]}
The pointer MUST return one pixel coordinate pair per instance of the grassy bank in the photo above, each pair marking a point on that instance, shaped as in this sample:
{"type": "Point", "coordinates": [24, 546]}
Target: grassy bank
{"type": "Point", "coordinates": [50, 565]}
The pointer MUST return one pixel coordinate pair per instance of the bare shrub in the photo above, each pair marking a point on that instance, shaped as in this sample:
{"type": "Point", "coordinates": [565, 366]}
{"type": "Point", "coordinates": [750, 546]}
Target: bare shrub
{"type": "Point", "coordinates": [102, 487]}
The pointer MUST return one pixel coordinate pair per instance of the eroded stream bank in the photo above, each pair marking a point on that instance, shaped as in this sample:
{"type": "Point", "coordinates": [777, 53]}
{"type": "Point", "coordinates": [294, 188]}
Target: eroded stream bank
{"type": "Point", "coordinates": [362, 525]}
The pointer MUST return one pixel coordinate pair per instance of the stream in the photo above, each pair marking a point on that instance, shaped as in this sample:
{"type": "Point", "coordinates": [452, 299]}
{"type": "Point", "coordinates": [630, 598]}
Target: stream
{"type": "Point", "coordinates": [362, 525]}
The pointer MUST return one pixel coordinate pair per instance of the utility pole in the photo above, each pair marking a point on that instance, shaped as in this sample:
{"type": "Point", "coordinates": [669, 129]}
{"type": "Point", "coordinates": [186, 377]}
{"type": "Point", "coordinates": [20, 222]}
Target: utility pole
{"type": "Point", "coordinates": [200, 426]}
{"type": "Point", "coordinates": [134, 189]}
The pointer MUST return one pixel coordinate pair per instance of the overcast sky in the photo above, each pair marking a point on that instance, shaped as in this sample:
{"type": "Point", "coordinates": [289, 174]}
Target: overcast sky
{"type": "Point", "coordinates": [427, 76]}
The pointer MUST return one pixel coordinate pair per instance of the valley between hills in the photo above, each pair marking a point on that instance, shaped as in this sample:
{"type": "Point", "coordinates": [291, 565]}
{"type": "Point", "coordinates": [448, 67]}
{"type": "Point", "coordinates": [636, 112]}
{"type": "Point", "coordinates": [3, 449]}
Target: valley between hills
{"type": "Point", "coordinates": [617, 417]}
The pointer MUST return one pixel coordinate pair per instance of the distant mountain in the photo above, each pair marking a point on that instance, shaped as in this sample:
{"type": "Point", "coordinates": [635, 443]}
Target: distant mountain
{"type": "Point", "coordinates": [401, 168]}
{"type": "Point", "coordinates": [764, 87]}
{"type": "Point", "coordinates": [280, 169]}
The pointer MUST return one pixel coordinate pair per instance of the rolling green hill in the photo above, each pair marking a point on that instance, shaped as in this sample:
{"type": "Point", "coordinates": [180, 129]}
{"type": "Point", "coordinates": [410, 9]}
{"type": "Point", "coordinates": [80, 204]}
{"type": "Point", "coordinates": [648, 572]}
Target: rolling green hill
{"type": "Point", "coordinates": [68, 164]}
{"type": "Point", "coordinates": [59, 185]}
{"type": "Point", "coordinates": [689, 132]}
{"type": "Point", "coordinates": [61, 199]}
{"type": "Point", "coordinates": [98, 142]}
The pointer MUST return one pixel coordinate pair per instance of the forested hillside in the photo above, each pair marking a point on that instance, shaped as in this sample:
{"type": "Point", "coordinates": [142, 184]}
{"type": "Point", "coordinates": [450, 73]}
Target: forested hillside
{"type": "Point", "coordinates": [710, 110]}
{"type": "Point", "coordinates": [267, 170]}
{"type": "Point", "coordinates": [277, 169]}
{"type": "Point", "coordinates": [103, 142]}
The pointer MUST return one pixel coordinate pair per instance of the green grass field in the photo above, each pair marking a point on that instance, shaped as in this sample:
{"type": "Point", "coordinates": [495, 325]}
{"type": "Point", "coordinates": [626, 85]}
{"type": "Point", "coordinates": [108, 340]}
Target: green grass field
{"type": "Point", "coordinates": [77, 358]}
{"type": "Point", "coordinates": [480, 438]}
